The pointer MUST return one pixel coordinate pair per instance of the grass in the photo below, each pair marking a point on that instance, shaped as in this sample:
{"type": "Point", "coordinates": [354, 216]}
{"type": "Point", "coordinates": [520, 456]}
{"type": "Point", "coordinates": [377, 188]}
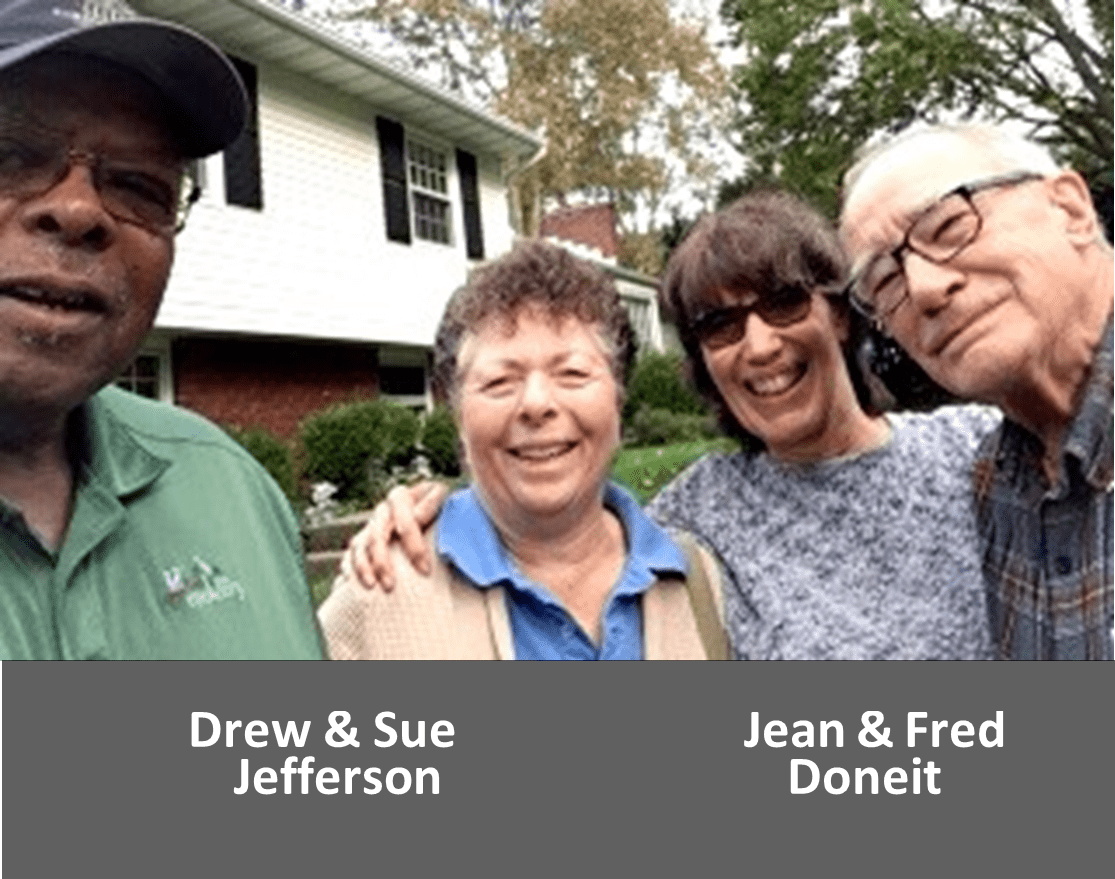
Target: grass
{"type": "Point", "coordinates": [644, 471]}
{"type": "Point", "coordinates": [319, 588]}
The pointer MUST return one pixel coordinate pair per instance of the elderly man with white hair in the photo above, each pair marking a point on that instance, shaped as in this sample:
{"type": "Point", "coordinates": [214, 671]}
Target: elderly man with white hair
{"type": "Point", "coordinates": [987, 263]}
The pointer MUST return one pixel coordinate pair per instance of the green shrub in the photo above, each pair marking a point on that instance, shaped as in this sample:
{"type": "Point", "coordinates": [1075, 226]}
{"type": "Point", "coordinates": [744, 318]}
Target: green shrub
{"type": "Point", "coordinates": [658, 382]}
{"type": "Point", "coordinates": [440, 443]}
{"type": "Point", "coordinates": [274, 454]}
{"type": "Point", "coordinates": [402, 427]}
{"type": "Point", "coordinates": [656, 427]}
{"type": "Point", "coordinates": [354, 444]}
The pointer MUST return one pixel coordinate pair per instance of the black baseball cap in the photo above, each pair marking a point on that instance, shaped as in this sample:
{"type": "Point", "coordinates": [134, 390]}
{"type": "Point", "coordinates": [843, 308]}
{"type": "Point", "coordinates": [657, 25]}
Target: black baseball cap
{"type": "Point", "coordinates": [205, 98]}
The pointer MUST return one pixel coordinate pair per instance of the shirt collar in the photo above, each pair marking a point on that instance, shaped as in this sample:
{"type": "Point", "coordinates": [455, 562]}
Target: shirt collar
{"type": "Point", "coordinates": [108, 452]}
{"type": "Point", "coordinates": [109, 463]}
{"type": "Point", "coordinates": [468, 540]}
{"type": "Point", "coordinates": [1088, 438]}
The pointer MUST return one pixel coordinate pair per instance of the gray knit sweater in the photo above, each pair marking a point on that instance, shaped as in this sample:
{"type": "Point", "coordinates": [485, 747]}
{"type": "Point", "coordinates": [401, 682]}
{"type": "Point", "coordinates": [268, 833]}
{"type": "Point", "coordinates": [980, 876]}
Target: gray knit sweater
{"type": "Point", "coordinates": [869, 557]}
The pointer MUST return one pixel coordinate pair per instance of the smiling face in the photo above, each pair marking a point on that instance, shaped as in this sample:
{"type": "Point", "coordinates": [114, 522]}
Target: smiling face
{"type": "Point", "coordinates": [789, 386]}
{"type": "Point", "coordinates": [998, 309]}
{"type": "Point", "coordinates": [79, 288]}
{"type": "Point", "coordinates": [538, 411]}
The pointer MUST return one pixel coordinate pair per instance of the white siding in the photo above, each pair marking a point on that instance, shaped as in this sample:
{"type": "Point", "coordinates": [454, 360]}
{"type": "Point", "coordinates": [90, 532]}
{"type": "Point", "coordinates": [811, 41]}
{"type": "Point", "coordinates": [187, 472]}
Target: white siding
{"type": "Point", "coordinates": [640, 299]}
{"type": "Point", "coordinates": [315, 262]}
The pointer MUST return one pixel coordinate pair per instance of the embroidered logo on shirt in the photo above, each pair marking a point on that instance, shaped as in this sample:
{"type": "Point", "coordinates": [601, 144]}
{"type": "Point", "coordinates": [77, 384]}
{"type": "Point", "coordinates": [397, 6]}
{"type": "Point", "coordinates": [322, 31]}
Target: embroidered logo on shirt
{"type": "Point", "coordinates": [202, 584]}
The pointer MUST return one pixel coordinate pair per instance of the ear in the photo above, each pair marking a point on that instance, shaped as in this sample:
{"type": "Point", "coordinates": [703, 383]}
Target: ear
{"type": "Point", "coordinates": [1069, 193]}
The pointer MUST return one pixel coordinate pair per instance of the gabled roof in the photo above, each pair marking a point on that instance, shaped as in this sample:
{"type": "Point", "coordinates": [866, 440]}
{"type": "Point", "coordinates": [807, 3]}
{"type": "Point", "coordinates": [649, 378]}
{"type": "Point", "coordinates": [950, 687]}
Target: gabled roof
{"type": "Point", "coordinates": [298, 43]}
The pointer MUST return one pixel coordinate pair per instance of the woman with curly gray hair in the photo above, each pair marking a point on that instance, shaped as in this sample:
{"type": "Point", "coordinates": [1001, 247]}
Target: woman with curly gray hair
{"type": "Point", "coordinates": [540, 557]}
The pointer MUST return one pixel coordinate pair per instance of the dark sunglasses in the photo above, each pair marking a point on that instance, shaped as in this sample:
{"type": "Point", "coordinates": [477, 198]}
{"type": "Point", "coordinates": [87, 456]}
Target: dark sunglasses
{"type": "Point", "coordinates": [782, 307]}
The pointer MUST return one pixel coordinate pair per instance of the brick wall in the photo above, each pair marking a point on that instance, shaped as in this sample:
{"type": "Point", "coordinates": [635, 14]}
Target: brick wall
{"type": "Point", "coordinates": [591, 225]}
{"type": "Point", "coordinates": [268, 384]}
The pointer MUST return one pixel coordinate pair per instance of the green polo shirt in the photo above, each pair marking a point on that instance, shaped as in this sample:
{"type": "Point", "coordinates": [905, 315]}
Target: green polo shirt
{"type": "Point", "coordinates": [180, 546]}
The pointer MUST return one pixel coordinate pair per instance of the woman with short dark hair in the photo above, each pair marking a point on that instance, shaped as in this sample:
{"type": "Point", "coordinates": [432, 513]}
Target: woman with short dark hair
{"type": "Point", "coordinates": [768, 241]}
{"type": "Point", "coordinates": [843, 533]}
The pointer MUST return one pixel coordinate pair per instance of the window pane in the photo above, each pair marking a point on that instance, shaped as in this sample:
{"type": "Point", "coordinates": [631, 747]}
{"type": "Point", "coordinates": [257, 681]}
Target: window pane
{"type": "Point", "coordinates": [141, 376]}
{"type": "Point", "coordinates": [402, 380]}
{"type": "Point", "coordinates": [431, 218]}
{"type": "Point", "coordinates": [427, 167]}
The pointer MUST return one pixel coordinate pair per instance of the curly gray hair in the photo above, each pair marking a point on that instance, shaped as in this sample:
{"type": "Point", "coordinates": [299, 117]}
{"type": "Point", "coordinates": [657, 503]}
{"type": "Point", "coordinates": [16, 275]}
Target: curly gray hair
{"type": "Point", "coordinates": [533, 274]}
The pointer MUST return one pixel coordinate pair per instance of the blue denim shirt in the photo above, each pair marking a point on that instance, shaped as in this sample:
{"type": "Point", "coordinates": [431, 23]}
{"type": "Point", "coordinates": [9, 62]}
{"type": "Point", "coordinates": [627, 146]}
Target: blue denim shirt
{"type": "Point", "coordinates": [541, 627]}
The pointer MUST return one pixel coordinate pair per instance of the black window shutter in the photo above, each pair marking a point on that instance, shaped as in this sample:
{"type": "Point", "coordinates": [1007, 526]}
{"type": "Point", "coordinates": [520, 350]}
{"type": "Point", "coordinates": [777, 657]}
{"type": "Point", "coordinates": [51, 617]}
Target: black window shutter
{"type": "Point", "coordinates": [243, 176]}
{"type": "Point", "coordinates": [392, 157]}
{"type": "Point", "coordinates": [470, 204]}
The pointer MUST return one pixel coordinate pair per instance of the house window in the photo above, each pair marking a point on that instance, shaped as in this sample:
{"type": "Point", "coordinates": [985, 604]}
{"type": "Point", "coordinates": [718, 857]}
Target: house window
{"type": "Point", "coordinates": [402, 381]}
{"type": "Point", "coordinates": [402, 375]}
{"type": "Point", "coordinates": [428, 175]}
{"type": "Point", "coordinates": [416, 193]}
{"type": "Point", "coordinates": [143, 376]}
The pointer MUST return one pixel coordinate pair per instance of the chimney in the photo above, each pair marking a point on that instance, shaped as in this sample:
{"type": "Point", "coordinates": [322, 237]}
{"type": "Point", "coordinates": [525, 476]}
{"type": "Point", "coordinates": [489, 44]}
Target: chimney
{"type": "Point", "coordinates": [592, 226]}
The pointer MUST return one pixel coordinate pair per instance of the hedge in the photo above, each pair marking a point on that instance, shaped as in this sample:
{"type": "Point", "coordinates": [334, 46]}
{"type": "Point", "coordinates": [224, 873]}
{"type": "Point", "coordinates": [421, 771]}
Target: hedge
{"type": "Point", "coordinates": [353, 445]}
{"type": "Point", "coordinates": [274, 454]}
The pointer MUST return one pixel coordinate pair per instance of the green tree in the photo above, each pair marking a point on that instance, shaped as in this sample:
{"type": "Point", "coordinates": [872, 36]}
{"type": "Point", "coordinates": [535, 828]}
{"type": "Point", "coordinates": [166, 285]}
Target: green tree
{"type": "Point", "coordinates": [820, 77]}
{"type": "Point", "coordinates": [626, 96]}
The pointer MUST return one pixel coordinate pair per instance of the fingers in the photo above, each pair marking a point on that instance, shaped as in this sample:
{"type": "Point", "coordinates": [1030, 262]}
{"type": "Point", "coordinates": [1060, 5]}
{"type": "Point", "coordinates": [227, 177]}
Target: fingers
{"type": "Point", "coordinates": [429, 503]}
{"type": "Point", "coordinates": [403, 514]}
{"type": "Point", "coordinates": [369, 563]}
{"type": "Point", "coordinates": [380, 530]}
{"type": "Point", "coordinates": [407, 527]}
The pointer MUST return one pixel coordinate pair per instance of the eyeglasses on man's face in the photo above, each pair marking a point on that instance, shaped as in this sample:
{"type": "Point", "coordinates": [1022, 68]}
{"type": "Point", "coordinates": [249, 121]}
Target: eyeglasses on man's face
{"type": "Point", "coordinates": [782, 307]}
{"type": "Point", "coordinates": [938, 234]}
{"type": "Point", "coordinates": [147, 191]}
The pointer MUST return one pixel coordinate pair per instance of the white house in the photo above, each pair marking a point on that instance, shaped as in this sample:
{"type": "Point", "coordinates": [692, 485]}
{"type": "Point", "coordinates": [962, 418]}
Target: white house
{"type": "Point", "coordinates": [325, 243]}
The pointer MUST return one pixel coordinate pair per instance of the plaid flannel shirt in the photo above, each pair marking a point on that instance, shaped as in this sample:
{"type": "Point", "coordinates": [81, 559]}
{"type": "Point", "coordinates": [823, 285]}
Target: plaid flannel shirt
{"type": "Point", "coordinates": [1047, 549]}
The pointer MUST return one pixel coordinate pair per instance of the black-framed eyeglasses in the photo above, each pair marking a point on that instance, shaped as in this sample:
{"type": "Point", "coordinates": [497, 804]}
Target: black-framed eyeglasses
{"type": "Point", "coordinates": [143, 190]}
{"type": "Point", "coordinates": [782, 307]}
{"type": "Point", "coordinates": [937, 234]}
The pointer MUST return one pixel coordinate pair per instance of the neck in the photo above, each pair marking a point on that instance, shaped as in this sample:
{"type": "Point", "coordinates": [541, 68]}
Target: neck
{"type": "Point", "coordinates": [855, 434]}
{"type": "Point", "coordinates": [541, 545]}
{"type": "Point", "coordinates": [36, 476]}
{"type": "Point", "coordinates": [1045, 398]}
{"type": "Point", "coordinates": [579, 563]}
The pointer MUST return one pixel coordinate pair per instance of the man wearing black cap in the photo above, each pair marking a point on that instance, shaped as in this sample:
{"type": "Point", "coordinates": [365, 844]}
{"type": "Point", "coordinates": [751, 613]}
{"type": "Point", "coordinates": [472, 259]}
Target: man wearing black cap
{"type": "Point", "coordinates": [128, 529]}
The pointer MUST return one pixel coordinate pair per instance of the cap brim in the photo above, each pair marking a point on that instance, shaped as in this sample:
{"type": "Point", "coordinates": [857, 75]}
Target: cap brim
{"type": "Point", "coordinates": [204, 94]}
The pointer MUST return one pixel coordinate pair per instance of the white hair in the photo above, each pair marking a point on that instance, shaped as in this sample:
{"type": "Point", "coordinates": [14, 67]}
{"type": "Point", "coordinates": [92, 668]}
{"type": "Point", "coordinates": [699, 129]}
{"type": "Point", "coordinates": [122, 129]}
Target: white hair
{"type": "Point", "coordinates": [1013, 152]}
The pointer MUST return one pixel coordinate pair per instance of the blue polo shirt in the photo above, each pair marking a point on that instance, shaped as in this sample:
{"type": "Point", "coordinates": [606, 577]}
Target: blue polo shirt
{"type": "Point", "coordinates": [541, 627]}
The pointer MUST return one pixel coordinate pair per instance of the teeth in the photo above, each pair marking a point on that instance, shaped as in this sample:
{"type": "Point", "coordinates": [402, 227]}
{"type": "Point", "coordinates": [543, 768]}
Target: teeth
{"type": "Point", "coordinates": [774, 384]}
{"type": "Point", "coordinates": [542, 453]}
{"type": "Point", "coordinates": [51, 299]}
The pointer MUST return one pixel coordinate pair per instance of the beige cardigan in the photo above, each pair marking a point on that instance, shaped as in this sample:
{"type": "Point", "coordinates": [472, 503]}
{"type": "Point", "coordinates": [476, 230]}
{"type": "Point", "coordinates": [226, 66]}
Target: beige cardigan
{"type": "Point", "coordinates": [443, 616]}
